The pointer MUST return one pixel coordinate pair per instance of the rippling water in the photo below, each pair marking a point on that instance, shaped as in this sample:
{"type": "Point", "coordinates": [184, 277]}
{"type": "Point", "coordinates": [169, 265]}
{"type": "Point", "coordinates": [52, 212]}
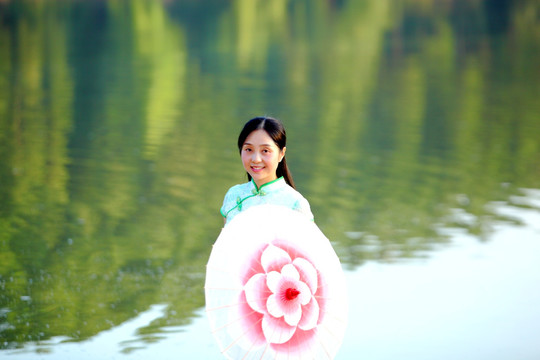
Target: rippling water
{"type": "Point", "coordinates": [413, 131]}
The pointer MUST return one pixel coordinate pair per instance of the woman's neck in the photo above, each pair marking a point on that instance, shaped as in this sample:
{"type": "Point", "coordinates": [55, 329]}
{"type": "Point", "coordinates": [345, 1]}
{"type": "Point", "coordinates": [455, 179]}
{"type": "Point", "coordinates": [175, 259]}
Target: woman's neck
{"type": "Point", "coordinates": [258, 186]}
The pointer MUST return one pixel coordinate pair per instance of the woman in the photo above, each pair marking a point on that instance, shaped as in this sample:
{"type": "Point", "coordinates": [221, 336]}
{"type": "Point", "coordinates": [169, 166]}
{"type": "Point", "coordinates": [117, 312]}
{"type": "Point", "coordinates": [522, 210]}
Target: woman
{"type": "Point", "coordinates": [262, 146]}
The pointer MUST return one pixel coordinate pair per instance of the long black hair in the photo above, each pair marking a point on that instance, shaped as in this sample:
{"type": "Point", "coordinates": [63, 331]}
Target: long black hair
{"type": "Point", "coordinates": [274, 128]}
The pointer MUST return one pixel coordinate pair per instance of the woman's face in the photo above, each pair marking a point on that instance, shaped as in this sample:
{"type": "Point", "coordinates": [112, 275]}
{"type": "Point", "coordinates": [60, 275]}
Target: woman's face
{"type": "Point", "coordinates": [261, 157]}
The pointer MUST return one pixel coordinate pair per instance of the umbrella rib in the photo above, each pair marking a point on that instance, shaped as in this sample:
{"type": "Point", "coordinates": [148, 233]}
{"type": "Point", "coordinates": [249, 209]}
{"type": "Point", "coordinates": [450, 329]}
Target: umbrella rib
{"type": "Point", "coordinates": [309, 347]}
{"type": "Point", "coordinates": [227, 270]}
{"type": "Point", "coordinates": [323, 345]}
{"type": "Point", "coordinates": [221, 307]}
{"type": "Point", "coordinates": [341, 320]}
{"type": "Point", "coordinates": [331, 333]}
{"type": "Point", "coordinates": [264, 352]}
{"type": "Point", "coordinates": [228, 306]}
{"type": "Point", "coordinates": [241, 336]}
{"type": "Point", "coordinates": [220, 269]}
{"type": "Point", "coordinates": [232, 322]}
{"type": "Point", "coordinates": [223, 288]}
{"type": "Point", "coordinates": [251, 347]}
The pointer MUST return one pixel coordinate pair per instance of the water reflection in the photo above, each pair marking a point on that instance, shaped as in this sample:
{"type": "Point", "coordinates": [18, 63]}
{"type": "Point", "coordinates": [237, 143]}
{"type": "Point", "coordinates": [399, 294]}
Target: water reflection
{"type": "Point", "coordinates": [438, 307]}
{"type": "Point", "coordinates": [118, 122]}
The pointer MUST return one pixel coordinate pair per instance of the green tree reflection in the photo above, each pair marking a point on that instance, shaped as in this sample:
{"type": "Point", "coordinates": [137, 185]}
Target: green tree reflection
{"type": "Point", "coordinates": [118, 122]}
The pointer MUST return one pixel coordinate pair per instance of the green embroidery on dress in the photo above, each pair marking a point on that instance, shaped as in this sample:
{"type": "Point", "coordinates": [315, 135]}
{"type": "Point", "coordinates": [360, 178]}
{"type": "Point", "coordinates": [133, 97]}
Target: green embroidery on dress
{"type": "Point", "coordinates": [263, 185]}
{"type": "Point", "coordinates": [254, 192]}
{"type": "Point", "coordinates": [239, 203]}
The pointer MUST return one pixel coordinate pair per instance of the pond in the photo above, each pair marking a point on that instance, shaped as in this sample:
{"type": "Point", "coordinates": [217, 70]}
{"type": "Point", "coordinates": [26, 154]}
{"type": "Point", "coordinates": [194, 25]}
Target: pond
{"type": "Point", "coordinates": [413, 130]}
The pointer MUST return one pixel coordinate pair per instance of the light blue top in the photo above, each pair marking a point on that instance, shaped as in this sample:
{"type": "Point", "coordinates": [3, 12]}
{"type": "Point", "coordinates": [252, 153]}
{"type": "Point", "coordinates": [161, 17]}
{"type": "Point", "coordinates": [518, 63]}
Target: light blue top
{"type": "Point", "coordinates": [278, 192]}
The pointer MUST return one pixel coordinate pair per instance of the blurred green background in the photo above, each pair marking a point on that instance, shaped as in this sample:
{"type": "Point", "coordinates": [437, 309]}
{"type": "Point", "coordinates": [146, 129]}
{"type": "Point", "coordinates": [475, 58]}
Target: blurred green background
{"type": "Point", "coordinates": [118, 124]}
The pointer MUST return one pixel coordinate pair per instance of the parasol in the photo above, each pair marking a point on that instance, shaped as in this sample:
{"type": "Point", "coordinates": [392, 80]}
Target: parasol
{"type": "Point", "coordinates": [275, 288]}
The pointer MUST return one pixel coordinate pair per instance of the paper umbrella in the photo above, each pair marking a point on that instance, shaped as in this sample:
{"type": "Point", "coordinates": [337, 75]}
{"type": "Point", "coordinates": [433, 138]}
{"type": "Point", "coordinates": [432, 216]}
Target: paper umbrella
{"type": "Point", "coordinates": [275, 288]}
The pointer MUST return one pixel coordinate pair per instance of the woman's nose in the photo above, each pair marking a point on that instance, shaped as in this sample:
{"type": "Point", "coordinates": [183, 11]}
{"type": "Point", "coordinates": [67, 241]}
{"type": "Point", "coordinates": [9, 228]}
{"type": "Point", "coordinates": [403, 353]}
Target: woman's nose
{"type": "Point", "coordinates": [256, 157]}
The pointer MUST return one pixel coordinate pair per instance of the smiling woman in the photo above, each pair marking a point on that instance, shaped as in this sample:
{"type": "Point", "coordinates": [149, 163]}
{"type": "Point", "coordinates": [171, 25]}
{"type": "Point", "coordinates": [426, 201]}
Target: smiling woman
{"type": "Point", "coordinates": [261, 157]}
{"type": "Point", "coordinates": [262, 145]}
{"type": "Point", "coordinates": [271, 134]}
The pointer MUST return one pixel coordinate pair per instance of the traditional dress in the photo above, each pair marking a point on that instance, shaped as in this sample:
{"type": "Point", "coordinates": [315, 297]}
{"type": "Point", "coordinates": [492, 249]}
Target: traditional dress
{"type": "Point", "coordinates": [278, 192]}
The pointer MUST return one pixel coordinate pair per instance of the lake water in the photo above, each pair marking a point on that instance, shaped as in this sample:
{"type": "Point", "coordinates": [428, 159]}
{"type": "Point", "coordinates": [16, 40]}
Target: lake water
{"type": "Point", "coordinates": [414, 132]}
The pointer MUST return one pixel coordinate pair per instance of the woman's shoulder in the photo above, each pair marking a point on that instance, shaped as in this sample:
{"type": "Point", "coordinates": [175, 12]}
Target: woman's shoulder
{"type": "Point", "coordinates": [289, 189]}
{"type": "Point", "coordinates": [239, 189]}
{"type": "Point", "coordinates": [246, 185]}
{"type": "Point", "coordinates": [301, 204]}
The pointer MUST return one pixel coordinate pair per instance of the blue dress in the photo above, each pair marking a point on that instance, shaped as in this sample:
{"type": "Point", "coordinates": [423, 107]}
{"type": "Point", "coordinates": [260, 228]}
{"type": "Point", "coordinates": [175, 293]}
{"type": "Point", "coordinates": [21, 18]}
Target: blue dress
{"type": "Point", "coordinates": [278, 192]}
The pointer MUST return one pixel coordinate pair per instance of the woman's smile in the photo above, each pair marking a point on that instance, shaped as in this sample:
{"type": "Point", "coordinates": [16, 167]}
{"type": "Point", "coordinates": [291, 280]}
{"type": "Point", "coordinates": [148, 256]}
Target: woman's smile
{"type": "Point", "coordinates": [261, 157]}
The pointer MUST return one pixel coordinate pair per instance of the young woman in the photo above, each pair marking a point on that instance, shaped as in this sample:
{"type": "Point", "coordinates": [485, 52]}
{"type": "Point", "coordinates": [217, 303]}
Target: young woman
{"type": "Point", "coordinates": [262, 146]}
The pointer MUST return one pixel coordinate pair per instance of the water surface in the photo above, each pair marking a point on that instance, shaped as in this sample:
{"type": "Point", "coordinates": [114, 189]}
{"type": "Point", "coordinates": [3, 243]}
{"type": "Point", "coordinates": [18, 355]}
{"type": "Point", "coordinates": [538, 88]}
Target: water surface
{"type": "Point", "coordinates": [413, 131]}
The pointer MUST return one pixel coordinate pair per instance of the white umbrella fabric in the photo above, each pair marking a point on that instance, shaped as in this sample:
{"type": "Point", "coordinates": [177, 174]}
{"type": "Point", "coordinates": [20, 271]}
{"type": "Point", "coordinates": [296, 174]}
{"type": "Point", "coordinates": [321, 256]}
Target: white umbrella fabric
{"type": "Point", "coordinates": [275, 288]}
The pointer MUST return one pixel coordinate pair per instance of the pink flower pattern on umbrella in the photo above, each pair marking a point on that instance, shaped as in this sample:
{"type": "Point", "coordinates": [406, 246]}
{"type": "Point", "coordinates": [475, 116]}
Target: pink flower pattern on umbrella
{"type": "Point", "coordinates": [284, 294]}
{"type": "Point", "coordinates": [274, 288]}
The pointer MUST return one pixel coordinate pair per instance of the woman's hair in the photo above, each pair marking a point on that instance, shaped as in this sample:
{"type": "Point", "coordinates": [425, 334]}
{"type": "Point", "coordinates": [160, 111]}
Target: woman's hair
{"type": "Point", "coordinates": [274, 128]}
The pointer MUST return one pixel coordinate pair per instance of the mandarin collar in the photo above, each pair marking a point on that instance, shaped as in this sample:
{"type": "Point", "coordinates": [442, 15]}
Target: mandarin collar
{"type": "Point", "coordinates": [267, 187]}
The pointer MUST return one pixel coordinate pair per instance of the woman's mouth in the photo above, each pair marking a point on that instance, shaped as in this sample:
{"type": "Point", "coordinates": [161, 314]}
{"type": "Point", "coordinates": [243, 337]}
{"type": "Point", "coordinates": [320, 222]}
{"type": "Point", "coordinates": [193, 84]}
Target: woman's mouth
{"type": "Point", "coordinates": [257, 168]}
